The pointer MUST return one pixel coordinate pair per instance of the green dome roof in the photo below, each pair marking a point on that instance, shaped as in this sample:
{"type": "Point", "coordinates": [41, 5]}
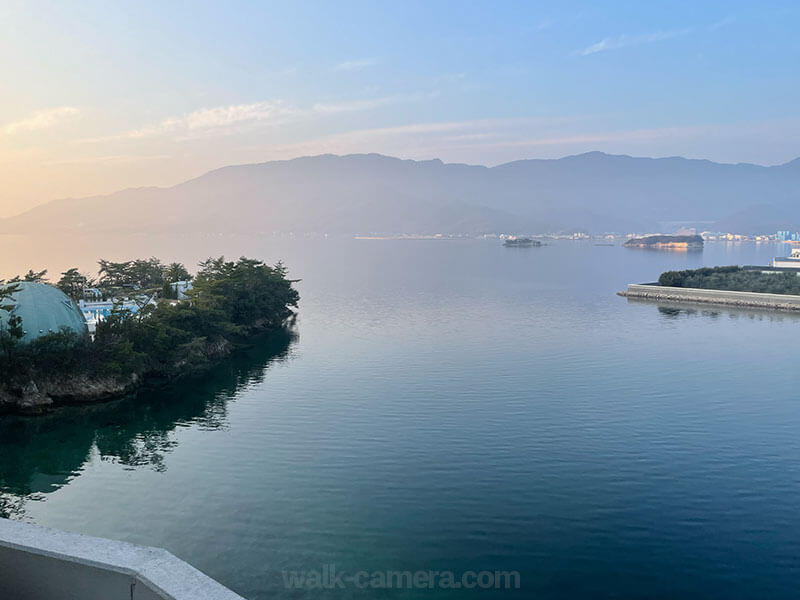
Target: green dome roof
{"type": "Point", "coordinates": [44, 309]}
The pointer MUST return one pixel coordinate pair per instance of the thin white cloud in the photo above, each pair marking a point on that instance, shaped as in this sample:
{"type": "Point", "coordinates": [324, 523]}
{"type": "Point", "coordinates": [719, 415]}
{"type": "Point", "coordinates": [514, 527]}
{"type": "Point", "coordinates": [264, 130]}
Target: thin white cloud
{"type": "Point", "coordinates": [42, 119]}
{"type": "Point", "coordinates": [627, 40]}
{"type": "Point", "coordinates": [450, 78]}
{"type": "Point", "coordinates": [356, 65]}
{"type": "Point", "coordinates": [238, 117]}
{"type": "Point", "coordinates": [368, 104]}
{"type": "Point", "coordinates": [351, 106]}
{"type": "Point", "coordinates": [218, 117]}
{"type": "Point", "coordinates": [722, 23]}
{"type": "Point", "coordinates": [222, 116]}
{"type": "Point", "coordinates": [117, 158]}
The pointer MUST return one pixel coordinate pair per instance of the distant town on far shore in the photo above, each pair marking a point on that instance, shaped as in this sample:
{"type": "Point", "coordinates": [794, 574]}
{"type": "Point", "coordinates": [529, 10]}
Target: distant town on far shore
{"type": "Point", "coordinates": [708, 236]}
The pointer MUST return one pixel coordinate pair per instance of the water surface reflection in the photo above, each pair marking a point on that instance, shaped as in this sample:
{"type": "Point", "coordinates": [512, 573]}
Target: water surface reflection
{"type": "Point", "coordinates": [687, 310]}
{"type": "Point", "coordinates": [39, 455]}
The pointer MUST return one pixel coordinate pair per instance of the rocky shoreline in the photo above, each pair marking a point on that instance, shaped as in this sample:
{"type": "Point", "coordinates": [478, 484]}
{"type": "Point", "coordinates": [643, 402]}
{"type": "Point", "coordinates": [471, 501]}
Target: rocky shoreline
{"type": "Point", "coordinates": [37, 395]}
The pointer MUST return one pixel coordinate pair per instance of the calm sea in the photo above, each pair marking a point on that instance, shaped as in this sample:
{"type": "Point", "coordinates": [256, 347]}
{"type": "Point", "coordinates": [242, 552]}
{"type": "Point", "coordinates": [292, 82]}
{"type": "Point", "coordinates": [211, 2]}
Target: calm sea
{"type": "Point", "coordinates": [447, 406]}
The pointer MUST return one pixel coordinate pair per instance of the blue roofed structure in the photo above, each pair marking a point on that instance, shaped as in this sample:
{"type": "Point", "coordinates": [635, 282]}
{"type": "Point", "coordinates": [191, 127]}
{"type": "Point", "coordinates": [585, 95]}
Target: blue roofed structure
{"type": "Point", "coordinates": [44, 309]}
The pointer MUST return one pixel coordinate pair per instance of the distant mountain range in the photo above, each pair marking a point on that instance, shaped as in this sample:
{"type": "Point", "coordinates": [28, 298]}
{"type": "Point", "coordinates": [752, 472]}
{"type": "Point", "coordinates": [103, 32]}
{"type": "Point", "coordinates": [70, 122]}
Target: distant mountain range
{"type": "Point", "coordinates": [371, 193]}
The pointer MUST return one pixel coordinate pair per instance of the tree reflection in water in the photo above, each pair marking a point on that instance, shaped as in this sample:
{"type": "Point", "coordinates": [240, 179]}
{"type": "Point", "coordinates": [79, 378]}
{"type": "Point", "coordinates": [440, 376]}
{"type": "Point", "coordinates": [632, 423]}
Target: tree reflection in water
{"type": "Point", "coordinates": [678, 310]}
{"type": "Point", "coordinates": [39, 455]}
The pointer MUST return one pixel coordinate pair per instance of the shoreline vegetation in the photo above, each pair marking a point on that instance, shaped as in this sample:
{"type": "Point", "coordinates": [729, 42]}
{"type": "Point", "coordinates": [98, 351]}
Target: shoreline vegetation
{"type": "Point", "coordinates": [733, 279]}
{"type": "Point", "coordinates": [163, 339]}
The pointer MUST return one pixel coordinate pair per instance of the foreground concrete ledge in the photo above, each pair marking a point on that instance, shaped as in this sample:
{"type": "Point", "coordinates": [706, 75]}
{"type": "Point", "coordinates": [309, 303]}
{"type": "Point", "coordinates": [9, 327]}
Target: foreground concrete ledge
{"type": "Point", "coordinates": [653, 291]}
{"type": "Point", "coordinates": [86, 563]}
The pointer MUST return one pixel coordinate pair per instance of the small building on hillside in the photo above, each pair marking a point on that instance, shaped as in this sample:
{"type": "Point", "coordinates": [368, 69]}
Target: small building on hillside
{"type": "Point", "coordinates": [43, 309]}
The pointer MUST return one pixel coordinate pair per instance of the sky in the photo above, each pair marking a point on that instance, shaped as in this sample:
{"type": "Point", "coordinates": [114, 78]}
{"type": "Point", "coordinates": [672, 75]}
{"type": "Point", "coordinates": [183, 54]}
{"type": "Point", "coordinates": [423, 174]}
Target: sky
{"type": "Point", "coordinates": [97, 96]}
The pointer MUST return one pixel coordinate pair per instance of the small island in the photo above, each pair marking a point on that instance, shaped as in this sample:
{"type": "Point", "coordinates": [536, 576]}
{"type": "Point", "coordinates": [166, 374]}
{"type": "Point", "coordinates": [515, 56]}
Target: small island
{"type": "Point", "coordinates": [86, 339]}
{"type": "Point", "coordinates": [670, 242]}
{"type": "Point", "coordinates": [521, 243]}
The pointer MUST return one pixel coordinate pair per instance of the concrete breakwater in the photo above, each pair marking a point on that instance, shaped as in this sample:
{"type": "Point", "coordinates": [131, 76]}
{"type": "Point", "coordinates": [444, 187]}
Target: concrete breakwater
{"type": "Point", "coordinates": [651, 291]}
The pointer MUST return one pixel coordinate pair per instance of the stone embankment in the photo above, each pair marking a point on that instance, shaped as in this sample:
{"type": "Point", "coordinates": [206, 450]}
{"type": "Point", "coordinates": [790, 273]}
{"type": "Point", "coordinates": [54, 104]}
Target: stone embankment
{"type": "Point", "coordinates": [649, 291]}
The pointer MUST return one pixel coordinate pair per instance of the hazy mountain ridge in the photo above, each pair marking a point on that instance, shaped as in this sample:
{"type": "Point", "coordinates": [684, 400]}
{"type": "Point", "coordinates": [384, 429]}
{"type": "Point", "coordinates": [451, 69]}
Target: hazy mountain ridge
{"type": "Point", "coordinates": [370, 193]}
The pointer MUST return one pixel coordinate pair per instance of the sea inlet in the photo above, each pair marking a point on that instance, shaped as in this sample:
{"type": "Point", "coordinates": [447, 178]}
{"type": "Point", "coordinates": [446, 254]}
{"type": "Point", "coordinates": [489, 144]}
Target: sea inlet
{"type": "Point", "coordinates": [447, 406]}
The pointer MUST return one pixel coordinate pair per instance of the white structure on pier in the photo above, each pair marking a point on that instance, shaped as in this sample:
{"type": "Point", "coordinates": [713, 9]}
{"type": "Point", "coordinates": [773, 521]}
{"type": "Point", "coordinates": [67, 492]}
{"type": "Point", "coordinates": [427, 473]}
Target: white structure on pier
{"type": "Point", "coordinates": [788, 262]}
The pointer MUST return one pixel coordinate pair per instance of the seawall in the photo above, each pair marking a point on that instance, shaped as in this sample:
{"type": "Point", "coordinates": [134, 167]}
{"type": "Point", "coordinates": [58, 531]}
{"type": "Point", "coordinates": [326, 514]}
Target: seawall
{"type": "Point", "coordinates": [651, 291]}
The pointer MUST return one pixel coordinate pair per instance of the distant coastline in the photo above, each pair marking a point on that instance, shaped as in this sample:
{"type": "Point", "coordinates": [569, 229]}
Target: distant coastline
{"type": "Point", "coordinates": [409, 237]}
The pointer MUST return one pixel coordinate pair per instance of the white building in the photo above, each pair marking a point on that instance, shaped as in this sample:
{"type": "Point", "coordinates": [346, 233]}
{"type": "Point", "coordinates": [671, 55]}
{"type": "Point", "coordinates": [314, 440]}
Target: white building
{"type": "Point", "coordinates": [788, 262]}
{"type": "Point", "coordinates": [96, 311]}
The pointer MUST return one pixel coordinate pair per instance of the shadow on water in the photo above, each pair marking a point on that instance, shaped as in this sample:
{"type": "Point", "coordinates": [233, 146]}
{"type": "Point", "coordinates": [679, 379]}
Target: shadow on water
{"type": "Point", "coordinates": [654, 250]}
{"type": "Point", "coordinates": [38, 455]}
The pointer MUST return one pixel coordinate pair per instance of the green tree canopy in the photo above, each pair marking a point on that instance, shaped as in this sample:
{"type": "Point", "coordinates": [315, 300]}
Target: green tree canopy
{"type": "Point", "coordinates": [31, 276]}
{"type": "Point", "coordinates": [138, 274]}
{"type": "Point", "coordinates": [73, 283]}
{"type": "Point", "coordinates": [231, 300]}
{"type": "Point", "coordinates": [176, 272]}
{"type": "Point", "coordinates": [734, 278]}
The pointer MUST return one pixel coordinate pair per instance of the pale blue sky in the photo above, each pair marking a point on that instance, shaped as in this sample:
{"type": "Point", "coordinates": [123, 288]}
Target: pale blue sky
{"type": "Point", "coordinates": [95, 96]}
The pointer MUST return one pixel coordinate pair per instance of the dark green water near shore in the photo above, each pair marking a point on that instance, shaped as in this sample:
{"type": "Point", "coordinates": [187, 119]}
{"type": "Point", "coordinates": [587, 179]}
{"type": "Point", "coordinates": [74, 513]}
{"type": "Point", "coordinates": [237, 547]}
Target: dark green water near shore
{"type": "Point", "coordinates": [448, 405]}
